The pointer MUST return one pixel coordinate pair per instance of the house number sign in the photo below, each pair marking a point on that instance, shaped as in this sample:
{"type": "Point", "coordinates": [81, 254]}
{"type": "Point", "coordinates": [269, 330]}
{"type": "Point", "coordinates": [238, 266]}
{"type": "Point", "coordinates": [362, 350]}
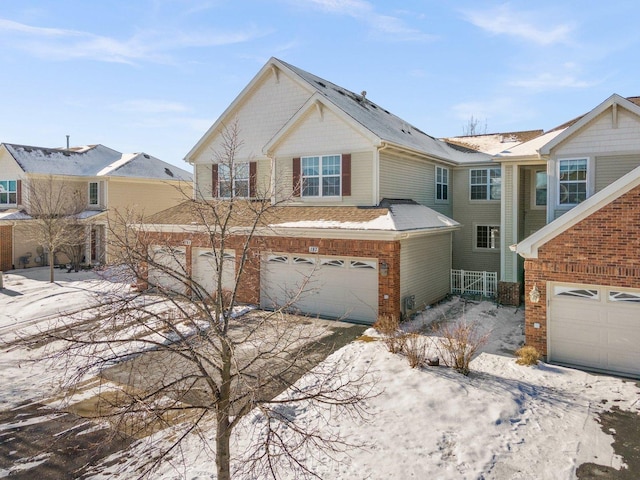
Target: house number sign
{"type": "Point", "coordinates": [313, 249]}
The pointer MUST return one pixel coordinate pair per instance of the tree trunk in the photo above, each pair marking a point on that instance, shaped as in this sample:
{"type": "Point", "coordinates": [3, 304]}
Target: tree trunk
{"type": "Point", "coordinates": [223, 410]}
{"type": "Point", "coordinates": [51, 271]}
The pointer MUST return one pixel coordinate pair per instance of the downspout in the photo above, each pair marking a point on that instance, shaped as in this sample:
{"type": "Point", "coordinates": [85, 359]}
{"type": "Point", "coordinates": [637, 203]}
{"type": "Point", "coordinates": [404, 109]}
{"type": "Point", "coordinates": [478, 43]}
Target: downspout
{"type": "Point", "coordinates": [376, 173]}
{"type": "Point", "coordinates": [273, 179]}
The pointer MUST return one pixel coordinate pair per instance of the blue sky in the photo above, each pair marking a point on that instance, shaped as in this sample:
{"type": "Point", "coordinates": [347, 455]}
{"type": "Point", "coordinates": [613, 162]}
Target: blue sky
{"type": "Point", "coordinates": [153, 75]}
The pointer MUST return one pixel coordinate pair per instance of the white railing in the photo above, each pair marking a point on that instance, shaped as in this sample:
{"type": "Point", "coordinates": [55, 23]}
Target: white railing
{"type": "Point", "coordinates": [477, 283]}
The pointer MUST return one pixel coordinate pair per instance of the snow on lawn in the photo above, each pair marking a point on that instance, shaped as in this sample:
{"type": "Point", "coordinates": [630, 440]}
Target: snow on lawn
{"type": "Point", "coordinates": [503, 421]}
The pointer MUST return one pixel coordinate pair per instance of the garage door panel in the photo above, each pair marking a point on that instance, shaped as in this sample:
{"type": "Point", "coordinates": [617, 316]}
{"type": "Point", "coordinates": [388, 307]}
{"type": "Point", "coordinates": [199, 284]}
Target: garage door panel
{"type": "Point", "coordinates": [205, 269]}
{"type": "Point", "coordinates": [333, 287]}
{"type": "Point", "coordinates": [167, 260]}
{"type": "Point", "coordinates": [601, 332]}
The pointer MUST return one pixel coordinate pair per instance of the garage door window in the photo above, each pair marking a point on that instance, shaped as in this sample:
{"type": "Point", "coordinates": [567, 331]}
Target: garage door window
{"type": "Point", "coordinates": [331, 262]}
{"type": "Point", "coordinates": [303, 261]}
{"type": "Point", "coordinates": [278, 259]}
{"type": "Point", "coordinates": [577, 292]}
{"type": "Point", "coordinates": [363, 264]}
{"type": "Point", "coordinates": [632, 297]}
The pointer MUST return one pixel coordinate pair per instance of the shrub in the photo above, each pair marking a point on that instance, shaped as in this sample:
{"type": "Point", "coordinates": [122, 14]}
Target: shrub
{"type": "Point", "coordinates": [392, 336]}
{"type": "Point", "coordinates": [527, 355]}
{"type": "Point", "coordinates": [416, 350]}
{"type": "Point", "coordinates": [459, 343]}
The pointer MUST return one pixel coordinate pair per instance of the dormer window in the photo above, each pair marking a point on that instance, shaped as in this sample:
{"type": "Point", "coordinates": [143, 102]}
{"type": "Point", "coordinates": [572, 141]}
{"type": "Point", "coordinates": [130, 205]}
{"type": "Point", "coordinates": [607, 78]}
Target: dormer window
{"type": "Point", "coordinates": [93, 194]}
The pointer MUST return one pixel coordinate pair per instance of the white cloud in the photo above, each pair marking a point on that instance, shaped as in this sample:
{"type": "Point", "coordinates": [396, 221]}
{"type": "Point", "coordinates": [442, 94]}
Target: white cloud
{"type": "Point", "coordinates": [504, 21]}
{"type": "Point", "coordinates": [365, 12]}
{"type": "Point", "coordinates": [61, 44]}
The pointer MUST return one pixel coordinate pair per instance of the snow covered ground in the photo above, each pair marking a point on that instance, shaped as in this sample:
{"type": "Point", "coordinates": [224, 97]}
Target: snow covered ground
{"type": "Point", "coordinates": [503, 421]}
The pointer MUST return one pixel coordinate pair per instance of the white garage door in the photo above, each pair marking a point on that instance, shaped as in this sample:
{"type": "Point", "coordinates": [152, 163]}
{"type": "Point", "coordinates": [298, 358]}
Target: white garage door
{"type": "Point", "coordinates": [205, 268]}
{"type": "Point", "coordinates": [167, 260]}
{"type": "Point", "coordinates": [595, 327]}
{"type": "Point", "coordinates": [337, 287]}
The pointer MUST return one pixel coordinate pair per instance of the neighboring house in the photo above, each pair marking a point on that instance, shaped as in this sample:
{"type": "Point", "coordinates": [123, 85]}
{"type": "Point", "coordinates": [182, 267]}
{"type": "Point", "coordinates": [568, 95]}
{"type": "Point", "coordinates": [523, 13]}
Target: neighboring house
{"type": "Point", "coordinates": [369, 197]}
{"type": "Point", "coordinates": [111, 180]}
{"type": "Point", "coordinates": [582, 269]}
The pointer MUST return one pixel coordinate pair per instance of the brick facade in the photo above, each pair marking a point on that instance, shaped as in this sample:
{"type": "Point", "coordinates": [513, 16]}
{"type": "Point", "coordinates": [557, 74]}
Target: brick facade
{"type": "Point", "coordinates": [602, 249]}
{"type": "Point", "coordinates": [6, 248]}
{"type": "Point", "coordinates": [509, 293]}
{"type": "Point", "coordinates": [249, 288]}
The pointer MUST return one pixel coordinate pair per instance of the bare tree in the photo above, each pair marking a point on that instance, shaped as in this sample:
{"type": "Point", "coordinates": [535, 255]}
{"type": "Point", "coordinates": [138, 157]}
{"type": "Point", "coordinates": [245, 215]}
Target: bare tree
{"type": "Point", "coordinates": [182, 355]}
{"type": "Point", "coordinates": [473, 127]}
{"type": "Point", "coordinates": [55, 206]}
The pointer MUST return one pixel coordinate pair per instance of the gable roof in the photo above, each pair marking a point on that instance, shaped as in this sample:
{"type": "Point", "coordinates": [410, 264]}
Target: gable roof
{"type": "Point", "coordinates": [528, 248]}
{"type": "Point", "coordinates": [632, 104]}
{"type": "Point", "coordinates": [382, 125]}
{"type": "Point", "coordinates": [92, 161]}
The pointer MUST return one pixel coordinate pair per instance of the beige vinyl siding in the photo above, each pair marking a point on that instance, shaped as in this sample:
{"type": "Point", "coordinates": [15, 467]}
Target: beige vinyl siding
{"type": "Point", "coordinates": [600, 137]}
{"type": "Point", "coordinates": [409, 178]}
{"type": "Point", "coordinates": [610, 169]}
{"type": "Point", "coordinates": [470, 213]}
{"type": "Point", "coordinates": [425, 268]}
{"type": "Point", "coordinates": [361, 180]}
{"type": "Point", "coordinates": [146, 197]}
{"type": "Point", "coordinates": [321, 132]}
{"type": "Point", "coordinates": [202, 180]}
{"type": "Point", "coordinates": [507, 234]}
{"type": "Point", "coordinates": [9, 169]}
{"type": "Point", "coordinates": [261, 114]}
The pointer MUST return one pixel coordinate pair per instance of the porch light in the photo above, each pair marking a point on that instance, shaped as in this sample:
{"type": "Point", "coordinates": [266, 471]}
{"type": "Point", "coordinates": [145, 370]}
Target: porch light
{"type": "Point", "coordinates": [384, 268]}
{"type": "Point", "coordinates": [534, 294]}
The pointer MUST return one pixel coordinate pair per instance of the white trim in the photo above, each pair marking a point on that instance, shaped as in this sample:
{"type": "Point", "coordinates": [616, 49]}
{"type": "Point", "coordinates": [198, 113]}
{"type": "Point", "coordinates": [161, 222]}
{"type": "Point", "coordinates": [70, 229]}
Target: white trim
{"type": "Point", "coordinates": [515, 188]}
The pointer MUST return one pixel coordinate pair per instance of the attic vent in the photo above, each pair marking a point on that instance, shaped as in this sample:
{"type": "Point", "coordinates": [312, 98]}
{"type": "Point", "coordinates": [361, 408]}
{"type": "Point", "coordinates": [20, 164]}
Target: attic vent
{"type": "Point", "coordinates": [340, 92]}
{"type": "Point", "coordinates": [66, 154]}
{"type": "Point", "coordinates": [373, 105]}
{"type": "Point", "coordinates": [387, 111]}
{"type": "Point", "coordinates": [145, 155]}
{"type": "Point", "coordinates": [167, 171]}
{"type": "Point", "coordinates": [321, 84]}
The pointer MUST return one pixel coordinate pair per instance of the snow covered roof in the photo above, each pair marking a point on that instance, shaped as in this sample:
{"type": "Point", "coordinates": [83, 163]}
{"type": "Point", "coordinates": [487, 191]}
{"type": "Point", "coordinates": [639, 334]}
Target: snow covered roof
{"type": "Point", "coordinates": [529, 148]}
{"type": "Point", "coordinates": [93, 160]}
{"type": "Point", "coordinates": [393, 216]}
{"type": "Point", "coordinates": [493, 143]}
{"type": "Point", "coordinates": [15, 214]}
{"type": "Point", "coordinates": [382, 123]}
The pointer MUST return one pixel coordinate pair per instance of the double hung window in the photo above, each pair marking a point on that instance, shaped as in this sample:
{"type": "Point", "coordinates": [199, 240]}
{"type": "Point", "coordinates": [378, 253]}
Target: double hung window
{"type": "Point", "coordinates": [233, 184]}
{"type": "Point", "coordinates": [572, 181]}
{"type": "Point", "coordinates": [320, 176]}
{"type": "Point", "coordinates": [485, 184]}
